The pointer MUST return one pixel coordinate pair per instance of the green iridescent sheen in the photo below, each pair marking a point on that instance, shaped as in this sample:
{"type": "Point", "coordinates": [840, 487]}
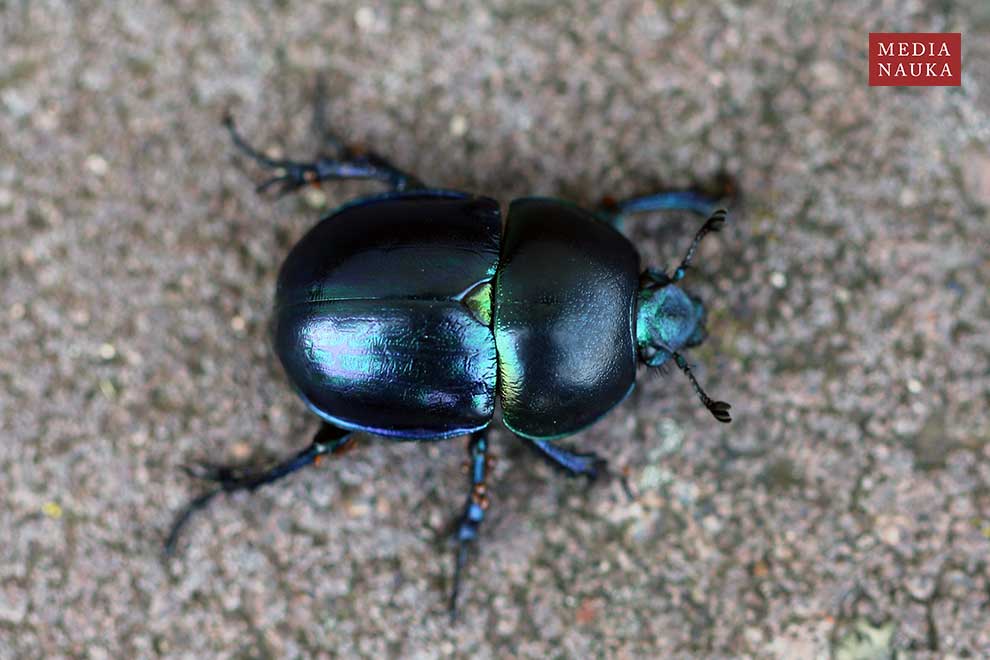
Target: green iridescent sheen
{"type": "Point", "coordinates": [479, 301]}
{"type": "Point", "coordinates": [381, 311]}
{"type": "Point", "coordinates": [564, 298]}
{"type": "Point", "coordinates": [667, 319]}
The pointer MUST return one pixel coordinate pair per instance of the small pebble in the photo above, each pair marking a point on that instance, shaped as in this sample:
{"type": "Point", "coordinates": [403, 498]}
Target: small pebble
{"type": "Point", "coordinates": [357, 509]}
{"type": "Point", "coordinates": [241, 451]}
{"type": "Point", "coordinates": [315, 198]}
{"type": "Point", "coordinates": [79, 316]}
{"type": "Point", "coordinates": [914, 386]}
{"type": "Point", "coordinates": [458, 125]}
{"type": "Point", "coordinates": [365, 18]}
{"type": "Point", "coordinates": [778, 280]}
{"type": "Point", "coordinates": [108, 389]}
{"type": "Point", "coordinates": [889, 533]}
{"type": "Point", "coordinates": [107, 351]}
{"type": "Point", "coordinates": [97, 164]}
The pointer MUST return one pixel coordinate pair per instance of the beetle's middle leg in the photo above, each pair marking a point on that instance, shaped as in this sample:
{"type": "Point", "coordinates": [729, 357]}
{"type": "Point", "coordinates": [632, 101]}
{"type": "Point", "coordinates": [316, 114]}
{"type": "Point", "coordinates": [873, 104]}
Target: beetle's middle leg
{"type": "Point", "coordinates": [328, 440]}
{"type": "Point", "coordinates": [351, 164]}
{"type": "Point", "coordinates": [573, 463]}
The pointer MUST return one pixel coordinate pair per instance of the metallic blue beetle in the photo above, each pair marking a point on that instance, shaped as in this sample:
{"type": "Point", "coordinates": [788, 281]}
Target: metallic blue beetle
{"type": "Point", "coordinates": [408, 314]}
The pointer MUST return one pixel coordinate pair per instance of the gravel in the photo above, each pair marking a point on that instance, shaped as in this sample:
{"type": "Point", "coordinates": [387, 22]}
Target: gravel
{"type": "Point", "coordinates": [846, 509]}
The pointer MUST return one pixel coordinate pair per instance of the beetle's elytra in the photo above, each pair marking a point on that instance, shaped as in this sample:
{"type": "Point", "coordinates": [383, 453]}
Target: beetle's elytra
{"type": "Point", "coordinates": [410, 314]}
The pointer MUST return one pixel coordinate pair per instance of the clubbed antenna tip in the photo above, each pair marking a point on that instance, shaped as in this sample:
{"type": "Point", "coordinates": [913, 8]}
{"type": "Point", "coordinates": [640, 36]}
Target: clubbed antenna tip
{"type": "Point", "coordinates": [718, 409]}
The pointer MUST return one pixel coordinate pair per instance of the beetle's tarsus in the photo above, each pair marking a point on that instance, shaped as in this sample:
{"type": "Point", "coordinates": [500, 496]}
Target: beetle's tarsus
{"type": "Point", "coordinates": [328, 440]}
{"type": "Point", "coordinates": [474, 509]}
{"type": "Point", "coordinates": [295, 175]}
{"type": "Point", "coordinates": [227, 477]}
{"type": "Point", "coordinates": [320, 124]}
{"type": "Point", "coordinates": [207, 471]}
{"type": "Point", "coordinates": [289, 183]}
{"type": "Point", "coordinates": [353, 164]}
{"type": "Point", "coordinates": [181, 518]}
{"type": "Point", "coordinates": [626, 486]}
{"type": "Point", "coordinates": [268, 183]}
{"type": "Point", "coordinates": [599, 467]}
{"type": "Point", "coordinates": [459, 563]}
{"type": "Point", "coordinates": [252, 153]}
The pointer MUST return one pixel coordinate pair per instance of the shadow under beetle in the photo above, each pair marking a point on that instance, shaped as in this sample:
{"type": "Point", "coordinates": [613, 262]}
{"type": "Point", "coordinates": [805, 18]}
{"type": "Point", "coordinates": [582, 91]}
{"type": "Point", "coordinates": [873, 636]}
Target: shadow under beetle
{"type": "Point", "coordinates": [408, 314]}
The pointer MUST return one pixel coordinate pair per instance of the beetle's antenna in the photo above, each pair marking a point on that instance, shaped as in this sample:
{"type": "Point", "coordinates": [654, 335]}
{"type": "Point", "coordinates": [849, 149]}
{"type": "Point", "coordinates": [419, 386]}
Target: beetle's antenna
{"type": "Point", "coordinates": [714, 223]}
{"type": "Point", "coordinates": [718, 409]}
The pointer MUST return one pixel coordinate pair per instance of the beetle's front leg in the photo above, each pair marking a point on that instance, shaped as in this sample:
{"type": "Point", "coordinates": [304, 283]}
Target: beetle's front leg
{"type": "Point", "coordinates": [702, 200]}
{"type": "Point", "coordinates": [615, 212]}
{"type": "Point", "coordinates": [479, 463]}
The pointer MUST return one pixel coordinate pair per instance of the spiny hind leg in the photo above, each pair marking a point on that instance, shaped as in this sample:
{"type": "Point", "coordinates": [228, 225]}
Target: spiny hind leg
{"type": "Point", "coordinates": [329, 440]}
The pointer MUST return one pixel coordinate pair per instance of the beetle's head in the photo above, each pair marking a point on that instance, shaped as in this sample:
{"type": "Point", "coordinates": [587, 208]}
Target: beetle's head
{"type": "Point", "coordinates": [667, 320]}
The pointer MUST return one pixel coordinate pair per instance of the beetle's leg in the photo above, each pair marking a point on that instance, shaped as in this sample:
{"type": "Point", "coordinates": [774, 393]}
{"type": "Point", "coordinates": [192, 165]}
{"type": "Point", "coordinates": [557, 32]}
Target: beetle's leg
{"type": "Point", "coordinates": [479, 463]}
{"type": "Point", "coordinates": [614, 212]}
{"type": "Point", "coordinates": [352, 164]}
{"type": "Point", "coordinates": [320, 124]}
{"type": "Point", "coordinates": [701, 200]}
{"type": "Point", "coordinates": [573, 463]}
{"type": "Point", "coordinates": [328, 440]}
{"type": "Point", "coordinates": [718, 409]}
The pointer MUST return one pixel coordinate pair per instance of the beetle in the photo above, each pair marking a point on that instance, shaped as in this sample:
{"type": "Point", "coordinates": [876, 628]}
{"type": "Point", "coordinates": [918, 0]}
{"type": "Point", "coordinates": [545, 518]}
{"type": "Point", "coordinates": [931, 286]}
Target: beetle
{"type": "Point", "coordinates": [409, 314]}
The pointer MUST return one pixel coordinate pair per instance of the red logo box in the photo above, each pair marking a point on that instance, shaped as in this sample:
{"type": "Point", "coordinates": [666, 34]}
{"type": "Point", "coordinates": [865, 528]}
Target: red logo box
{"type": "Point", "coordinates": [915, 59]}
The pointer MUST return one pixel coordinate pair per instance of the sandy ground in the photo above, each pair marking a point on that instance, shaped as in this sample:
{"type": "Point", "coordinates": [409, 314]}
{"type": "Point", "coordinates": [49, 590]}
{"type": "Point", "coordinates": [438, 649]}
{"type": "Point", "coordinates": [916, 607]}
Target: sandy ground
{"type": "Point", "coordinates": [846, 510]}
